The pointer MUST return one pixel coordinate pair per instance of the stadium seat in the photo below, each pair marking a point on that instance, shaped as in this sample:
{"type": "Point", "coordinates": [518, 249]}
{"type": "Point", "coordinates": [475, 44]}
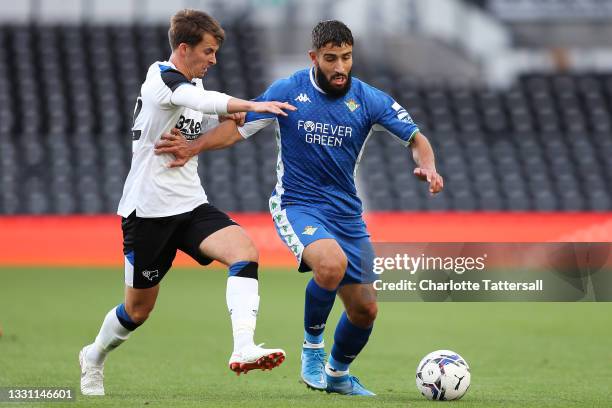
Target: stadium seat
{"type": "Point", "coordinates": [542, 144]}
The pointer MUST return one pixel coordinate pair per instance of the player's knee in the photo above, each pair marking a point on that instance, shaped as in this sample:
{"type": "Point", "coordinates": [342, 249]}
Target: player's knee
{"type": "Point", "coordinates": [370, 312]}
{"type": "Point", "coordinates": [246, 253]}
{"type": "Point", "coordinates": [330, 271]}
{"type": "Point", "coordinates": [251, 253]}
{"type": "Point", "coordinates": [364, 315]}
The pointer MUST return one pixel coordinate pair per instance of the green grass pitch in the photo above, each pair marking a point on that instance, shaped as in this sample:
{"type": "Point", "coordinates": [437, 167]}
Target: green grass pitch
{"type": "Point", "coordinates": [521, 354]}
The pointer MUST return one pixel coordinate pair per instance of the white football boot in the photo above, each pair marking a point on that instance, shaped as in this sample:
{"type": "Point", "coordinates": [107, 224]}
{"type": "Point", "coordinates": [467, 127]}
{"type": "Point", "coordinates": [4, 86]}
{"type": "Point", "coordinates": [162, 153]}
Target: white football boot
{"type": "Point", "coordinates": [255, 358]}
{"type": "Point", "coordinates": [92, 376]}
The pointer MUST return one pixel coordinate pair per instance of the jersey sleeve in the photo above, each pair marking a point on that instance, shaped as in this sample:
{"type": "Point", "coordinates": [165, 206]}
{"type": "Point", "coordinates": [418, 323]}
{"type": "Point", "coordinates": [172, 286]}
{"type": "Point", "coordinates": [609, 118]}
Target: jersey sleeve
{"type": "Point", "coordinates": [161, 83]}
{"type": "Point", "coordinates": [389, 115]}
{"type": "Point", "coordinates": [196, 98]}
{"type": "Point", "coordinates": [168, 87]}
{"type": "Point", "coordinates": [254, 121]}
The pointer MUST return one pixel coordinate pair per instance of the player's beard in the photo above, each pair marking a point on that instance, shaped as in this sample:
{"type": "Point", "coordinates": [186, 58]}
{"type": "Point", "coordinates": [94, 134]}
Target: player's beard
{"type": "Point", "coordinates": [331, 90]}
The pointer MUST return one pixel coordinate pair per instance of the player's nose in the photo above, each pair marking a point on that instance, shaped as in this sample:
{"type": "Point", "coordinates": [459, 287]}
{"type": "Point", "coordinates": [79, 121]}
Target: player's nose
{"type": "Point", "coordinates": [340, 69]}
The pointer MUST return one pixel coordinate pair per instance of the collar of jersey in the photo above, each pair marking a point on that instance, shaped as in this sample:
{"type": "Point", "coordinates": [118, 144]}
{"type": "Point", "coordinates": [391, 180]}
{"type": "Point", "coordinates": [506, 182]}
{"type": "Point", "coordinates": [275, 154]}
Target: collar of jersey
{"type": "Point", "coordinates": [314, 82]}
{"type": "Point", "coordinates": [168, 63]}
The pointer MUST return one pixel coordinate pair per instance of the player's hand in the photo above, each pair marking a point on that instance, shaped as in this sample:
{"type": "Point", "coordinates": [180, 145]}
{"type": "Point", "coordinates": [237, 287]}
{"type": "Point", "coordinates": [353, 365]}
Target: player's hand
{"type": "Point", "coordinates": [273, 107]}
{"type": "Point", "coordinates": [238, 117]}
{"type": "Point", "coordinates": [174, 143]}
{"type": "Point", "coordinates": [436, 182]}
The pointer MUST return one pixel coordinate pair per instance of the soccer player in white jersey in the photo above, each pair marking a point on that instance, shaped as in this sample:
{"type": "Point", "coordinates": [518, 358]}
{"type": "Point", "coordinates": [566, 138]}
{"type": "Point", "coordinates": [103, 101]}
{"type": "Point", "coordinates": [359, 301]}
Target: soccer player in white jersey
{"type": "Point", "coordinates": [314, 205]}
{"type": "Point", "coordinates": [165, 209]}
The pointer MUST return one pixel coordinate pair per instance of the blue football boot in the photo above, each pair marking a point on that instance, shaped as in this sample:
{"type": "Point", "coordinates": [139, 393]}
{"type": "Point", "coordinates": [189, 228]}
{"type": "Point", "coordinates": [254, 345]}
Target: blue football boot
{"type": "Point", "coordinates": [313, 368]}
{"type": "Point", "coordinates": [346, 385]}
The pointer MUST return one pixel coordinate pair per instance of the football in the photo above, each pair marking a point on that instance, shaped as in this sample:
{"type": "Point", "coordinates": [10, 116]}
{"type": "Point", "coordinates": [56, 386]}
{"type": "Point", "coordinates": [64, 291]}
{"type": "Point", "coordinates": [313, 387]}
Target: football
{"type": "Point", "coordinates": [443, 375]}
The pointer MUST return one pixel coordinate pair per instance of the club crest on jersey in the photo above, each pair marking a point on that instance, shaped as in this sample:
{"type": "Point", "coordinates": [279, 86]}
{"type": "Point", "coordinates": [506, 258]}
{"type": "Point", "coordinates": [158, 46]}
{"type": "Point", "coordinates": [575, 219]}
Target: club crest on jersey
{"type": "Point", "coordinates": [352, 105]}
{"type": "Point", "coordinates": [309, 230]}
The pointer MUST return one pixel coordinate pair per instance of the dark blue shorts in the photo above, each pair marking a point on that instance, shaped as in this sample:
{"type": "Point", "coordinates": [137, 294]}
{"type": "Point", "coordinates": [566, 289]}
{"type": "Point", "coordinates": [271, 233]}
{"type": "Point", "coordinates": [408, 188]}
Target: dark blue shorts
{"type": "Point", "coordinates": [299, 226]}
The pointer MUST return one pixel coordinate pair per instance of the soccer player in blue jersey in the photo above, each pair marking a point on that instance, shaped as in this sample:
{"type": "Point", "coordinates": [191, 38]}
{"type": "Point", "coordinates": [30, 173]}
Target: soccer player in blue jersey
{"type": "Point", "coordinates": [315, 206]}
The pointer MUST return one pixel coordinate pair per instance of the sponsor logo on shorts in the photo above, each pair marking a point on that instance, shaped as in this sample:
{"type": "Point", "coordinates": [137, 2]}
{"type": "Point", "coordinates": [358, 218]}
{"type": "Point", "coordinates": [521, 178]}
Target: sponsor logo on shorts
{"type": "Point", "coordinates": [150, 275]}
{"type": "Point", "coordinates": [309, 230]}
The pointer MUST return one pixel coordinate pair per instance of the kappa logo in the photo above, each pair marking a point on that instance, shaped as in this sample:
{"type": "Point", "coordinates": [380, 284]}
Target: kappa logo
{"type": "Point", "coordinates": [150, 275]}
{"type": "Point", "coordinates": [302, 98]}
{"type": "Point", "coordinates": [310, 230]}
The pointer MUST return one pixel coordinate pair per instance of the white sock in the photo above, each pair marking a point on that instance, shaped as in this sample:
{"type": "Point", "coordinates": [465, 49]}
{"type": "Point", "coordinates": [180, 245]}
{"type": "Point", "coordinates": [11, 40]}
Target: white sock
{"type": "Point", "coordinates": [112, 334]}
{"type": "Point", "coordinates": [334, 373]}
{"type": "Point", "coordinates": [243, 303]}
{"type": "Point", "coordinates": [310, 345]}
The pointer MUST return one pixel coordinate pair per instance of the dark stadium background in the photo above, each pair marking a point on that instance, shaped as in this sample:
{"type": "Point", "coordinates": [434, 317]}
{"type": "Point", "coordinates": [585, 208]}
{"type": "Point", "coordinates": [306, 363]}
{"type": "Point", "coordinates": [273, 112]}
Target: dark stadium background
{"type": "Point", "coordinates": [517, 101]}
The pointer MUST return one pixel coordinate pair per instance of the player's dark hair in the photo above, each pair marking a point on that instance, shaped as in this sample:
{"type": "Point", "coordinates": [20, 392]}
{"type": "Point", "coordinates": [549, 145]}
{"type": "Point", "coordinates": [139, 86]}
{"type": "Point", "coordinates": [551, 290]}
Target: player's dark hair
{"type": "Point", "coordinates": [331, 31]}
{"type": "Point", "coordinates": [188, 26]}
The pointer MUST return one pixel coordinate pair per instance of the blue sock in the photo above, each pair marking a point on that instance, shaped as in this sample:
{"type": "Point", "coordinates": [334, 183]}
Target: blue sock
{"type": "Point", "coordinates": [349, 340]}
{"type": "Point", "coordinates": [244, 269]}
{"type": "Point", "coordinates": [125, 319]}
{"type": "Point", "coordinates": [318, 304]}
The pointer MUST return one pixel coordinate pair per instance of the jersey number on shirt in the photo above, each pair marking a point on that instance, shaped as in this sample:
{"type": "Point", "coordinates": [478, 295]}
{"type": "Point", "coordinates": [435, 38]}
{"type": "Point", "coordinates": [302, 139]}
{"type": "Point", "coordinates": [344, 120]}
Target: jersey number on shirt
{"type": "Point", "coordinates": [136, 133]}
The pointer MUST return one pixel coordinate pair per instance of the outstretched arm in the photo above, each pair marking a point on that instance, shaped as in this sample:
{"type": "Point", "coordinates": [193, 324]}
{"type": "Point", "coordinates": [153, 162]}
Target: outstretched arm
{"type": "Point", "coordinates": [219, 137]}
{"type": "Point", "coordinates": [213, 102]}
{"type": "Point", "coordinates": [396, 120]}
{"type": "Point", "coordinates": [226, 134]}
{"type": "Point", "coordinates": [423, 156]}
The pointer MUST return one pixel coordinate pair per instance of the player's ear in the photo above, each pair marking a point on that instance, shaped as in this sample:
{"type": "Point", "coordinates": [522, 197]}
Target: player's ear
{"type": "Point", "coordinates": [182, 48]}
{"type": "Point", "coordinates": [313, 57]}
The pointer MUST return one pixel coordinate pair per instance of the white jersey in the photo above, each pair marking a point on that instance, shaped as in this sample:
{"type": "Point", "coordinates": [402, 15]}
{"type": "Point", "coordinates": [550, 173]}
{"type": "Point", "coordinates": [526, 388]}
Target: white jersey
{"type": "Point", "coordinates": [167, 100]}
